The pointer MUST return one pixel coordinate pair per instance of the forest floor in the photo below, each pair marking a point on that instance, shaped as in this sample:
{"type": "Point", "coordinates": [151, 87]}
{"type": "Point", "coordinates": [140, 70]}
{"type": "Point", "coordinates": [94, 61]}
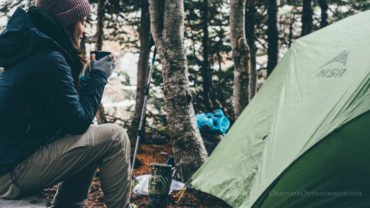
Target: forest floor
{"type": "Point", "coordinates": [149, 153]}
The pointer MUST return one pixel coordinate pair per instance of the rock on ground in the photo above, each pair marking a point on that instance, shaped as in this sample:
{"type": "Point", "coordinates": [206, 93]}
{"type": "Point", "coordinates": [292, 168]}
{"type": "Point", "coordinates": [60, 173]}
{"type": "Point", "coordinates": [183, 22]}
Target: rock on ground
{"type": "Point", "coordinates": [28, 202]}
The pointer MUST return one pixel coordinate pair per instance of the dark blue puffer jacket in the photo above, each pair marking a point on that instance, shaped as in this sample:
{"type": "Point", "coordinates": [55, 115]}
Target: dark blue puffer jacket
{"type": "Point", "coordinates": [38, 96]}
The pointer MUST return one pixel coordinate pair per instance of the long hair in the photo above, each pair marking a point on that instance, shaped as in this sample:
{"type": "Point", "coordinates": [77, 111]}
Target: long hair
{"type": "Point", "coordinates": [72, 33]}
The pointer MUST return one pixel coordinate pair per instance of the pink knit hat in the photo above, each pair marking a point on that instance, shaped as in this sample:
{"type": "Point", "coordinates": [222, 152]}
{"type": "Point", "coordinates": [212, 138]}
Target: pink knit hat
{"type": "Point", "coordinates": [66, 11]}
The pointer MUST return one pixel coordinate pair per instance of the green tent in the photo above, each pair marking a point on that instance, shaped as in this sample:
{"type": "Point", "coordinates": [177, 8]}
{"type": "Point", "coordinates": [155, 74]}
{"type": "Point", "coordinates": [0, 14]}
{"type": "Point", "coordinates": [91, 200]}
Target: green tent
{"type": "Point", "coordinates": [304, 140]}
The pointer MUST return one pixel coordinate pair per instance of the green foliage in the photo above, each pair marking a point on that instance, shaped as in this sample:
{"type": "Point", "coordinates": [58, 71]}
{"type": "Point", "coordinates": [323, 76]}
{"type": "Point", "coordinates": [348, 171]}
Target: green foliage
{"type": "Point", "coordinates": [219, 49]}
{"type": "Point", "coordinates": [344, 8]}
{"type": "Point", "coordinates": [124, 78]}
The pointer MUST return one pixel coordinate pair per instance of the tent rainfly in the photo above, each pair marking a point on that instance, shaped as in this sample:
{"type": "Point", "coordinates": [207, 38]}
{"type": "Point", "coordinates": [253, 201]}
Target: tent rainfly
{"type": "Point", "coordinates": [304, 140]}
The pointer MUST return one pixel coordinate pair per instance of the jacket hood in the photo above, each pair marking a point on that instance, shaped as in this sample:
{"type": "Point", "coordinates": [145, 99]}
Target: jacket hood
{"type": "Point", "coordinates": [16, 39]}
{"type": "Point", "coordinates": [30, 32]}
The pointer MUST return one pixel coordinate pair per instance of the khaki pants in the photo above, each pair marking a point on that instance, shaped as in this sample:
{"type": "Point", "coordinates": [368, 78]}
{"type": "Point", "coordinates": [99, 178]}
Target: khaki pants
{"type": "Point", "coordinates": [73, 160]}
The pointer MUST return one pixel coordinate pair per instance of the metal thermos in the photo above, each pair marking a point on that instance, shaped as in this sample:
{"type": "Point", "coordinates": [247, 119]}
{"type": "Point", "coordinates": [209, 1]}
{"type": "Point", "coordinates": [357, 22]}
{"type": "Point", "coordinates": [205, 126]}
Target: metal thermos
{"type": "Point", "coordinates": [159, 185]}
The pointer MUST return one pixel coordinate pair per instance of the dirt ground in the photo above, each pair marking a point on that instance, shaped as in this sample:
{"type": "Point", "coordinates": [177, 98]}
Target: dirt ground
{"type": "Point", "coordinates": [149, 153]}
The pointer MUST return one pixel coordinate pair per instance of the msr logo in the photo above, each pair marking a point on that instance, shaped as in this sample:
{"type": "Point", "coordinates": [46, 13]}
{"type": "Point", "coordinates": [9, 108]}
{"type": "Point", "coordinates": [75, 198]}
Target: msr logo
{"type": "Point", "coordinates": [335, 67]}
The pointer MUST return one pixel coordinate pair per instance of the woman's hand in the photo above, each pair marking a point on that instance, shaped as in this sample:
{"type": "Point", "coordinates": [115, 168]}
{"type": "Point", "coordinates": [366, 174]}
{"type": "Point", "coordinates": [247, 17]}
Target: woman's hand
{"type": "Point", "coordinates": [105, 64]}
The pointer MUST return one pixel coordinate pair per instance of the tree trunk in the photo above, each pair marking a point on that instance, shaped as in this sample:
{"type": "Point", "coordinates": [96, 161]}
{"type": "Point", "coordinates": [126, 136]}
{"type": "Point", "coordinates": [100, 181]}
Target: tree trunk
{"type": "Point", "coordinates": [250, 22]}
{"type": "Point", "coordinates": [273, 36]}
{"type": "Point", "coordinates": [307, 19]}
{"type": "Point", "coordinates": [143, 66]}
{"type": "Point", "coordinates": [206, 70]}
{"type": "Point", "coordinates": [240, 54]}
{"type": "Point", "coordinates": [324, 13]}
{"type": "Point", "coordinates": [291, 31]}
{"type": "Point", "coordinates": [167, 26]}
{"type": "Point", "coordinates": [100, 116]}
{"type": "Point", "coordinates": [100, 25]}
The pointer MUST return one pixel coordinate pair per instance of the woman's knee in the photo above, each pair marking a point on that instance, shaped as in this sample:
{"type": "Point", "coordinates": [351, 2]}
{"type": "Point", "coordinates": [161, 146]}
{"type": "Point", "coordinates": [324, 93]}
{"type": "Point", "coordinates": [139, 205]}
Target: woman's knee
{"type": "Point", "coordinates": [107, 134]}
{"type": "Point", "coordinates": [119, 134]}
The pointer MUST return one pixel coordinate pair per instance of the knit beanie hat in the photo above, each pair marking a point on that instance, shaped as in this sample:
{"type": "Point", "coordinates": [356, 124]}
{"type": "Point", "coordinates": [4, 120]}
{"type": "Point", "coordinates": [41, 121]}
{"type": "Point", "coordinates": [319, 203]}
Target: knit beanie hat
{"type": "Point", "coordinates": [66, 11]}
